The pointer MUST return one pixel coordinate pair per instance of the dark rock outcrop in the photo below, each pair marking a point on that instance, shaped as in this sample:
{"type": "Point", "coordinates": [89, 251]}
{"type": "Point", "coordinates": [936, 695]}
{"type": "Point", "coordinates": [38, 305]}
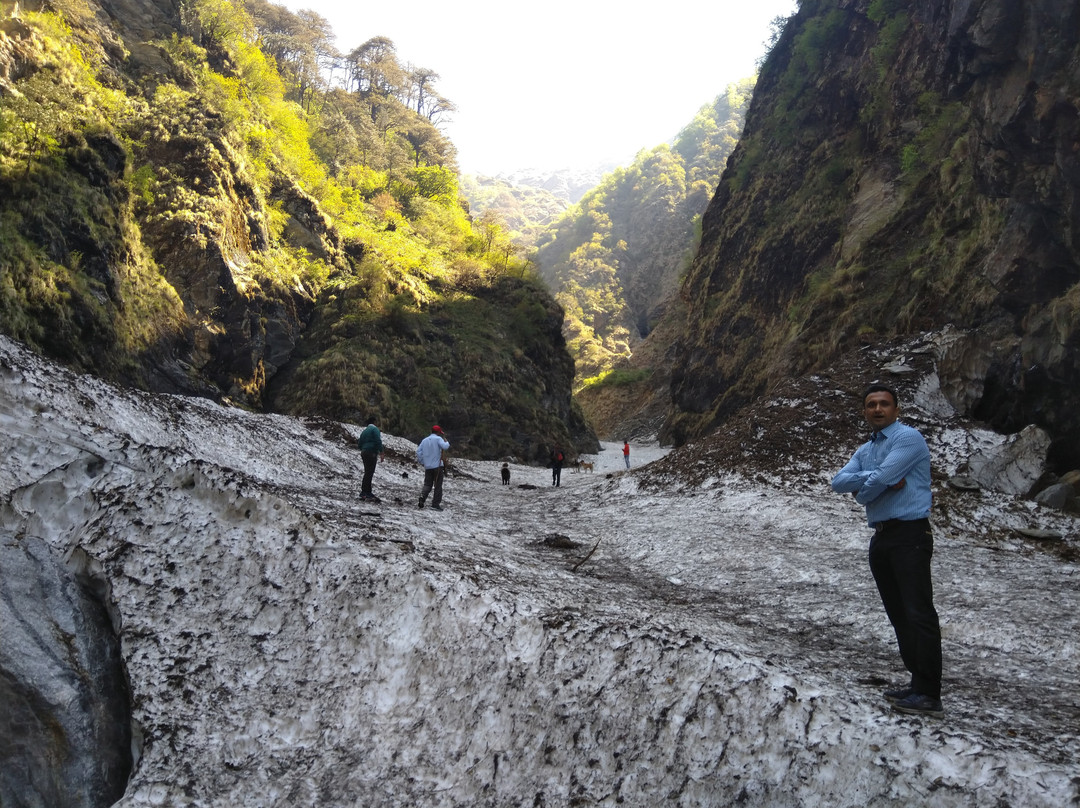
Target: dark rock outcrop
{"type": "Point", "coordinates": [488, 363]}
{"type": "Point", "coordinates": [65, 717]}
{"type": "Point", "coordinates": [902, 168]}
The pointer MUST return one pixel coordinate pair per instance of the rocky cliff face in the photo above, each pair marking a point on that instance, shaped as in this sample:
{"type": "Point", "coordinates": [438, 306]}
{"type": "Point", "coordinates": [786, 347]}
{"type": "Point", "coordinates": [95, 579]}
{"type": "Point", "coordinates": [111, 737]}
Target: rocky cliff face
{"type": "Point", "coordinates": [491, 366]}
{"type": "Point", "coordinates": [902, 167]}
{"type": "Point", "coordinates": [153, 231]}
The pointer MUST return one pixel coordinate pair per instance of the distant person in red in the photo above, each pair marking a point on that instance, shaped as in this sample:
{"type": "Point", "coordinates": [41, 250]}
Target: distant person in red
{"type": "Point", "coordinates": [626, 452]}
{"type": "Point", "coordinates": [556, 466]}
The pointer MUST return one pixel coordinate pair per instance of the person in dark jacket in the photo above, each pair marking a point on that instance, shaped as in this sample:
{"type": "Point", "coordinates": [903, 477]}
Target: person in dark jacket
{"type": "Point", "coordinates": [371, 449]}
{"type": "Point", "coordinates": [556, 466]}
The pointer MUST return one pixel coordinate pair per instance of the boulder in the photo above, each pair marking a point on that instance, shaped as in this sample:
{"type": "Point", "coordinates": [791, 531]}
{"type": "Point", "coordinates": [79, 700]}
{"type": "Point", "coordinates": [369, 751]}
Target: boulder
{"type": "Point", "coordinates": [1072, 478]}
{"type": "Point", "coordinates": [1013, 466]}
{"type": "Point", "coordinates": [1060, 496]}
{"type": "Point", "coordinates": [964, 483]}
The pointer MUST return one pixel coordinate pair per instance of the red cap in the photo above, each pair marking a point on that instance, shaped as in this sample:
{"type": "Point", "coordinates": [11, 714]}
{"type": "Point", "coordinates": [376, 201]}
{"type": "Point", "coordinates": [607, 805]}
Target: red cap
{"type": "Point", "coordinates": [437, 428]}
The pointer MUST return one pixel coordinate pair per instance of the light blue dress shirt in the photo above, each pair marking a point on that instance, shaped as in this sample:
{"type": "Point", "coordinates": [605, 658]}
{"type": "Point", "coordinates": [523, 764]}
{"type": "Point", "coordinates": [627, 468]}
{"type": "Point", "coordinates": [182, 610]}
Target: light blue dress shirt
{"type": "Point", "coordinates": [429, 452]}
{"type": "Point", "coordinates": [898, 452]}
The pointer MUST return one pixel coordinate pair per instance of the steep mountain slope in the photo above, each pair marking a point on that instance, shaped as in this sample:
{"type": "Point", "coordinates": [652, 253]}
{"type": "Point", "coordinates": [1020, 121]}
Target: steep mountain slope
{"type": "Point", "coordinates": [487, 361]}
{"type": "Point", "coordinates": [569, 184]}
{"type": "Point", "coordinates": [177, 205]}
{"type": "Point", "coordinates": [902, 167]}
{"type": "Point", "coordinates": [632, 401]}
{"type": "Point", "coordinates": [524, 210]}
{"type": "Point", "coordinates": [616, 255]}
{"type": "Point", "coordinates": [615, 261]}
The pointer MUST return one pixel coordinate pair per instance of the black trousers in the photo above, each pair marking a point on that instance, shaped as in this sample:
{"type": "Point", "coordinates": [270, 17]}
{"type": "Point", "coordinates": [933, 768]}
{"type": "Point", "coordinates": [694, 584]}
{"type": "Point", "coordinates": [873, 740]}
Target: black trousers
{"type": "Point", "coordinates": [900, 554]}
{"type": "Point", "coordinates": [432, 478]}
{"type": "Point", "coordinates": [370, 460]}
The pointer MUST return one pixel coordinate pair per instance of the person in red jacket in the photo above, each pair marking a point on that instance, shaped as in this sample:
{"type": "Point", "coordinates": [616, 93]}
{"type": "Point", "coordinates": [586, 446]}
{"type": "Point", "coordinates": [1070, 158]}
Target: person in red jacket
{"type": "Point", "coordinates": [626, 452]}
{"type": "Point", "coordinates": [557, 460]}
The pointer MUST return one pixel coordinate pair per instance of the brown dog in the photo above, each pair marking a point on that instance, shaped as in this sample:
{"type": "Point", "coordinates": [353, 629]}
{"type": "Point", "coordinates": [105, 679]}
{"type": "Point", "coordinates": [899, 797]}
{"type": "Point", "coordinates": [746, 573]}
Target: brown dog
{"type": "Point", "coordinates": [585, 466]}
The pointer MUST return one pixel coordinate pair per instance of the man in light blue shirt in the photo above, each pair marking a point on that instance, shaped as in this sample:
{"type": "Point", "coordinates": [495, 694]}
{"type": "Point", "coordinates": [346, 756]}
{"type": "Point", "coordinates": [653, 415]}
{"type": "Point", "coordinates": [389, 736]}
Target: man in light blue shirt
{"type": "Point", "coordinates": [890, 476]}
{"type": "Point", "coordinates": [430, 455]}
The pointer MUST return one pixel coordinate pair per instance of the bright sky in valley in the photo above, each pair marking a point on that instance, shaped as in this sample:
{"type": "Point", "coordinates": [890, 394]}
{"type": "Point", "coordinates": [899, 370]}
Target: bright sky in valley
{"type": "Point", "coordinates": [564, 83]}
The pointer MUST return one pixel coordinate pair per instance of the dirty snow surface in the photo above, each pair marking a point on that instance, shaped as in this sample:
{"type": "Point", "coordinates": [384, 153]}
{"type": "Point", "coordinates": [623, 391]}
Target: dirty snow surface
{"type": "Point", "coordinates": [700, 630]}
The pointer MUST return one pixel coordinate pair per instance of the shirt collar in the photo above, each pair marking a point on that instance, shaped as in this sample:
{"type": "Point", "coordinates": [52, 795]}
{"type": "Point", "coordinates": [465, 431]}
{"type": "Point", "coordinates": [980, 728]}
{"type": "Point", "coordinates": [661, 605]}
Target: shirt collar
{"type": "Point", "coordinates": [883, 433]}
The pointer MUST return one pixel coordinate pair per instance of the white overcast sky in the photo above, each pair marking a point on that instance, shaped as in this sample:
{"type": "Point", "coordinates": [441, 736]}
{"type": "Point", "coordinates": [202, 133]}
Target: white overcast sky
{"type": "Point", "coordinates": [565, 83]}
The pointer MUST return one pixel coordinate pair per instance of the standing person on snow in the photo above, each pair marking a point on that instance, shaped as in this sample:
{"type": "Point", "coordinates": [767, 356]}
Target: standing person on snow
{"type": "Point", "coordinates": [556, 466]}
{"type": "Point", "coordinates": [626, 452]}
{"type": "Point", "coordinates": [890, 476]}
{"type": "Point", "coordinates": [371, 449]}
{"type": "Point", "coordinates": [430, 455]}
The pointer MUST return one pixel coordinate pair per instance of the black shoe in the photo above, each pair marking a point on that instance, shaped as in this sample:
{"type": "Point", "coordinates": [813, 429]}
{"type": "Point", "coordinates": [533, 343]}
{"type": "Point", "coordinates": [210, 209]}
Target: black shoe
{"type": "Point", "coordinates": [421, 505]}
{"type": "Point", "coordinates": [918, 704]}
{"type": "Point", "coordinates": [436, 507]}
{"type": "Point", "coordinates": [901, 693]}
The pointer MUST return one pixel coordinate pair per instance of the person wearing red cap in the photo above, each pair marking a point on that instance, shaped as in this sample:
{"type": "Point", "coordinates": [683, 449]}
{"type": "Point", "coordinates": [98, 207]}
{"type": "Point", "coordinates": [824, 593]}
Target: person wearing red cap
{"type": "Point", "coordinates": [430, 455]}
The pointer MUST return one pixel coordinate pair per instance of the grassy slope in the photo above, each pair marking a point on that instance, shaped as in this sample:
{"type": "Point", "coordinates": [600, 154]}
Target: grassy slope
{"type": "Point", "coordinates": [173, 229]}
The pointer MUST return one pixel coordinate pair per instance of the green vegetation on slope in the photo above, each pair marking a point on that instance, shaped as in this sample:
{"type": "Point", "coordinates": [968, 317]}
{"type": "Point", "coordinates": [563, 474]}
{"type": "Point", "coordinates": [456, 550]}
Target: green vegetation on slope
{"type": "Point", "coordinates": [173, 216]}
{"type": "Point", "coordinates": [615, 257]}
{"type": "Point", "coordinates": [485, 359]}
{"type": "Point", "coordinates": [524, 212]}
{"type": "Point", "coordinates": [74, 279]}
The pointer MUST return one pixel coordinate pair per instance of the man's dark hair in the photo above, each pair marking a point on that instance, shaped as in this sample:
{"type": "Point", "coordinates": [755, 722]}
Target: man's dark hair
{"type": "Point", "coordinates": [881, 388]}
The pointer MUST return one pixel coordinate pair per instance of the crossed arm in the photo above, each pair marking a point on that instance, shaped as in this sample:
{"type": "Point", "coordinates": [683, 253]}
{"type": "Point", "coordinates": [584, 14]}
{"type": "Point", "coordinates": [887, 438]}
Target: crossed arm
{"type": "Point", "coordinates": [866, 483]}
